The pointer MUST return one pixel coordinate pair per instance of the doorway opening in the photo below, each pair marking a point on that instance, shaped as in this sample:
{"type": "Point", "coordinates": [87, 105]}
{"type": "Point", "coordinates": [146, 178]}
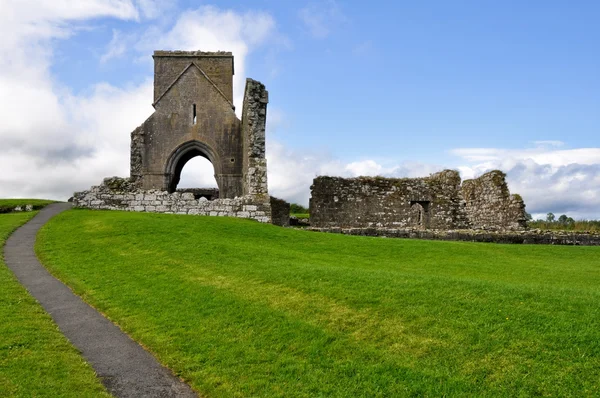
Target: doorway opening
{"type": "Point", "coordinates": [419, 213]}
{"type": "Point", "coordinates": [197, 175]}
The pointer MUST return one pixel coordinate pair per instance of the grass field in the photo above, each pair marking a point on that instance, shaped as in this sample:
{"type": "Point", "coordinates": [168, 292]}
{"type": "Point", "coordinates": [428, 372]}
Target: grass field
{"type": "Point", "coordinates": [238, 308]}
{"type": "Point", "coordinates": [36, 360]}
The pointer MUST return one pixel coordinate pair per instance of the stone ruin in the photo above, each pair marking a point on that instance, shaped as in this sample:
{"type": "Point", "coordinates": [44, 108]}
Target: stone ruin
{"type": "Point", "coordinates": [194, 116]}
{"type": "Point", "coordinates": [437, 202]}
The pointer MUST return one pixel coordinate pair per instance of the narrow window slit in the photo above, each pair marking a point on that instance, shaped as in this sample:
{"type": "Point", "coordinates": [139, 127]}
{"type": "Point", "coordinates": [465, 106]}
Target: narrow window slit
{"type": "Point", "coordinates": [194, 113]}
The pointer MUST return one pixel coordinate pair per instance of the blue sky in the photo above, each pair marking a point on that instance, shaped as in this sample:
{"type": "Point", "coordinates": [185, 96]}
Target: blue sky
{"type": "Point", "coordinates": [391, 88]}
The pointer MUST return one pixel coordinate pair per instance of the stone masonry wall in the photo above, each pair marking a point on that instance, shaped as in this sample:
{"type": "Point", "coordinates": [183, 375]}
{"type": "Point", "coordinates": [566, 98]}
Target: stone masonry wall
{"type": "Point", "coordinates": [430, 202]}
{"type": "Point", "coordinates": [120, 194]}
{"type": "Point", "coordinates": [435, 202]}
{"type": "Point", "coordinates": [254, 118]}
{"type": "Point", "coordinates": [489, 204]}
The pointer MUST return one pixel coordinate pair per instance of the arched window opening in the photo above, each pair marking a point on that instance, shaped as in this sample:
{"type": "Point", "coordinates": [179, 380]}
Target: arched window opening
{"type": "Point", "coordinates": [197, 176]}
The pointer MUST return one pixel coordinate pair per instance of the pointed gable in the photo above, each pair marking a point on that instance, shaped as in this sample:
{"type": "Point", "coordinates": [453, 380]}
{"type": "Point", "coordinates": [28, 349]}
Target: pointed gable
{"type": "Point", "coordinates": [200, 75]}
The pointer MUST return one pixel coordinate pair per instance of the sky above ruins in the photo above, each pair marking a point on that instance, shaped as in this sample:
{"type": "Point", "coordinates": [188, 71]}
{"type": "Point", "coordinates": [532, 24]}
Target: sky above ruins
{"type": "Point", "coordinates": [399, 89]}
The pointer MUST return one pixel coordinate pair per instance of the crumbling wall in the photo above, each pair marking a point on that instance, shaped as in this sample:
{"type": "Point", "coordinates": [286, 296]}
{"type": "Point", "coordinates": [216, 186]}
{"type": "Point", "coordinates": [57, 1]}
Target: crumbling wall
{"type": "Point", "coordinates": [489, 204]}
{"type": "Point", "coordinates": [430, 202]}
{"type": "Point", "coordinates": [280, 212]}
{"type": "Point", "coordinates": [120, 194]}
{"type": "Point", "coordinates": [437, 202]}
{"type": "Point", "coordinates": [254, 117]}
{"type": "Point", "coordinates": [136, 155]}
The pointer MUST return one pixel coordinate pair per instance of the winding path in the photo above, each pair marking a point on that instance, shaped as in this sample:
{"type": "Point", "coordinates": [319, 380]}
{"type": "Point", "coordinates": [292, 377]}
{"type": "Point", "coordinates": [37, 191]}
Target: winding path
{"type": "Point", "coordinates": [124, 367]}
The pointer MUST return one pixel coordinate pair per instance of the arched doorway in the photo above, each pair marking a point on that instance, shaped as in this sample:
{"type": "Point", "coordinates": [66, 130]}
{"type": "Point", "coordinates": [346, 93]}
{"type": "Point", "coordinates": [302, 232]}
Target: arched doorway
{"type": "Point", "coordinates": [198, 177]}
{"type": "Point", "coordinates": [419, 214]}
{"type": "Point", "coordinates": [182, 155]}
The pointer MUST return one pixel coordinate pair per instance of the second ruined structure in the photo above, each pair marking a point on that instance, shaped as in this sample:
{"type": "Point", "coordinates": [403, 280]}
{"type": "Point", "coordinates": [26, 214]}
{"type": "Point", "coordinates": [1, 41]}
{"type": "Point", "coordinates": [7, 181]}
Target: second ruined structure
{"type": "Point", "coordinates": [439, 202]}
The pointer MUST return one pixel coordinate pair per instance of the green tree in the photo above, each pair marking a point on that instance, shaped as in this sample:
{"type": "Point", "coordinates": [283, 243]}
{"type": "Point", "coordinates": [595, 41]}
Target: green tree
{"type": "Point", "coordinates": [550, 217]}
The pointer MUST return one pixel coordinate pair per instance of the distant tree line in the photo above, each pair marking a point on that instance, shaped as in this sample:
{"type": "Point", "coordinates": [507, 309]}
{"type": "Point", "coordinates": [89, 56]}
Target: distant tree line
{"type": "Point", "coordinates": [563, 222]}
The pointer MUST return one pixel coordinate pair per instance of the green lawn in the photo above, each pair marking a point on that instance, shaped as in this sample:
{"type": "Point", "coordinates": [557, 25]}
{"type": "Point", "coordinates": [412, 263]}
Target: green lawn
{"type": "Point", "coordinates": [239, 308]}
{"type": "Point", "coordinates": [36, 360]}
{"type": "Point", "coordinates": [8, 205]}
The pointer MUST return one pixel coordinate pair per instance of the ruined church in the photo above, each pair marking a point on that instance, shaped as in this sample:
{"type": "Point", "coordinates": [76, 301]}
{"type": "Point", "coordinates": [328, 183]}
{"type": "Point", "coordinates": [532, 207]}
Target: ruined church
{"type": "Point", "coordinates": [194, 116]}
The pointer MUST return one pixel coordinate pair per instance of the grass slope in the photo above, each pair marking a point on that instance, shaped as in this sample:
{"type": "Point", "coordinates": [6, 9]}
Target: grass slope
{"type": "Point", "coordinates": [243, 309]}
{"type": "Point", "coordinates": [36, 360]}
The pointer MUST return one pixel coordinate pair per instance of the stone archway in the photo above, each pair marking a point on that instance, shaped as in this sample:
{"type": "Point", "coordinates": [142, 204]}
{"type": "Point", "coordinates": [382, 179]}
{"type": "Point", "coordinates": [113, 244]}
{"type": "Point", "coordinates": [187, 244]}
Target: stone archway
{"type": "Point", "coordinates": [181, 155]}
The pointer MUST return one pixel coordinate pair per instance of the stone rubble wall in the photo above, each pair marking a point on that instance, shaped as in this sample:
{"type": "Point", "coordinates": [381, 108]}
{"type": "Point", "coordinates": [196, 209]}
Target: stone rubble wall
{"type": "Point", "coordinates": [513, 237]}
{"type": "Point", "coordinates": [254, 118]}
{"type": "Point", "coordinates": [430, 202]}
{"type": "Point", "coordinates": [16, 209]}
{"type": "Point", "coordinates": [489, 204]}
{"type": "Point", "coordinates": [280, 212]}
{"type": "Point", "coordinates": [439, 201]}
{"type": "Point", "coordinates": [136, 154]}
{"type": "Point", "coordinates": [115, 194]}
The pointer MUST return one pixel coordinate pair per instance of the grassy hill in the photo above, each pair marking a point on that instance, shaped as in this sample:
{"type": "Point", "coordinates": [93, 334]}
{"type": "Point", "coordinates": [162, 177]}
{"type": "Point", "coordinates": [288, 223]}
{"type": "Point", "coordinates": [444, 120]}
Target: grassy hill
{"type": "Point", "coordinates": [36, 360]}
{"type": "Point", "coordinates": [239, 308]}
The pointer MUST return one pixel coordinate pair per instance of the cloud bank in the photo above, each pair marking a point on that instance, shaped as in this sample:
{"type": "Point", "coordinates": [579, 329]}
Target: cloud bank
{"type": "Point", "coordinates": [550, 179]}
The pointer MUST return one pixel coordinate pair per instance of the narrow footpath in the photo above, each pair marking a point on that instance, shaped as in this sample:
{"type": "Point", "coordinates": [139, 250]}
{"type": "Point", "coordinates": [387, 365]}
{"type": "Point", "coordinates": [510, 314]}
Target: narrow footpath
{"type": "Point", "coordinates": [124, 367]}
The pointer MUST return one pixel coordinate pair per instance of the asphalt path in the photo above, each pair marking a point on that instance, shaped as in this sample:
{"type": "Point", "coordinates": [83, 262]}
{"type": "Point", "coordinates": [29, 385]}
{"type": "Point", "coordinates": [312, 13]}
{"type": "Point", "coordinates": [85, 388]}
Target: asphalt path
{"type": "Point", "coordinates": [123, 366]}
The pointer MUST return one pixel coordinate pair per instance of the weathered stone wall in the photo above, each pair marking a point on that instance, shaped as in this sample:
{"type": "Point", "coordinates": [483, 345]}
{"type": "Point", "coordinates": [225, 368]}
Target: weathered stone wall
{"type": "Point", "coordinates": [280, 212]}
{"type": "Point", "coordinates": [254, 118]}
{"type": "Point", "coordinates": [435, 202]}
{"type": "Point", "coordinates": [489, 204]}
{"type": "Point", "coordinates": [513, 237]}
{"type": "Point", "coordinates": [430, 202]}
{"type": "Point", "coordinates": [218, 67]}
{"type": "Point", "coordinates": [117, 194]}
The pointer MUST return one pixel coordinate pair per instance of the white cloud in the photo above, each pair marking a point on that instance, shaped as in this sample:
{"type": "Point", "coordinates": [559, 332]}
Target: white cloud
{"type": "Point", "coordinates": [116, 48]}
{"type": "Point", "coordinates": [320, 18]}
{"type": "Point", "coordinates": [154, 8]}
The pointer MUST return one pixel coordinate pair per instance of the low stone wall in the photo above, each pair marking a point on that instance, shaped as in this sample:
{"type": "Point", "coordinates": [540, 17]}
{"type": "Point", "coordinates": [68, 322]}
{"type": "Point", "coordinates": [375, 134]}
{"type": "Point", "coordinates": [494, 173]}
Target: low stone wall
{"type": "Point", "coordinates": [514, 237]}
{"type": "Point", "coordinates": [103, 197]}
{"type": "Point", "coordinates": [7, 209]}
